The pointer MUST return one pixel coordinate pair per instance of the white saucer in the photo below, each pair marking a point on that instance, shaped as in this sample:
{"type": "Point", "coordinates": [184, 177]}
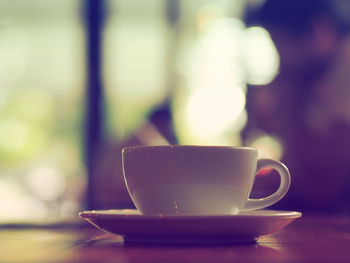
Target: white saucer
{"type": "Point", "coordinates": [192, 229]}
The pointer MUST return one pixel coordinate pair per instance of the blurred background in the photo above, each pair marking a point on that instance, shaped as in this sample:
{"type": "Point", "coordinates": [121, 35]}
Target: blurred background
{"type": "Point", "coordinates": [79, 80]}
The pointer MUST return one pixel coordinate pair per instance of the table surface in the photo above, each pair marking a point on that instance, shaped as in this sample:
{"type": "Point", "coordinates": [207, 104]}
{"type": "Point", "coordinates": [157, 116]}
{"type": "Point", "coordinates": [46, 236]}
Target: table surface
{"type": "Point", "coordinates": [312, 238]}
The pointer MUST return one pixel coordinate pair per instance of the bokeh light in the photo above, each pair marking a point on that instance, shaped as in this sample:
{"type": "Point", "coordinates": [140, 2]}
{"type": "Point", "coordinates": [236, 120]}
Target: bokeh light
{"type": "Point", "coordinates": [16, 204]}
{"type": "Point", "coordinates": [267, 146]}
{"type": "Point", "coordinates": [212, 111]}
{"type": "Point", "coordinates": [261, 56]}
{"type": "Point", "coordinates": [47, 183]}
{"type": "Point", "coordinates": [211, 107]}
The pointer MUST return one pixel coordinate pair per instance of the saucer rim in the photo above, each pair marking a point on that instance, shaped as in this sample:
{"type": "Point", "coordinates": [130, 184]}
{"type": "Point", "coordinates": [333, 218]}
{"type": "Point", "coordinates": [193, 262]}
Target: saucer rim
{"type": "Point", "coordinates": [132, 214]}
{"type": "Point", "coordinates": [189, 229]}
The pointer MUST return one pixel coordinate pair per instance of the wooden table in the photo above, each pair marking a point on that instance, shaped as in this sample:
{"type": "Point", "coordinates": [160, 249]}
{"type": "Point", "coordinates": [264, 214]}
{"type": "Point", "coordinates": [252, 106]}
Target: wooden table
{"type": "Point", "coordinates": [309, 239]}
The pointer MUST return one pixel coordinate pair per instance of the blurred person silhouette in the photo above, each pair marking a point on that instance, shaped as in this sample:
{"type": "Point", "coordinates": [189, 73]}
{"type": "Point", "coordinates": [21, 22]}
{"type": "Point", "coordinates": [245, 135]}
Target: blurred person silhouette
{"type": "Point", "coordinates": [307, 106]}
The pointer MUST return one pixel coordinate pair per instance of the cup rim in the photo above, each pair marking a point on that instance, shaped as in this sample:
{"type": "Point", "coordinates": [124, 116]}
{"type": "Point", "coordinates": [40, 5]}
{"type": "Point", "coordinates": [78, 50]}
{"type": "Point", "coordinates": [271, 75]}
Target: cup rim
{"type": "Point", "coordinates": [136, 147]}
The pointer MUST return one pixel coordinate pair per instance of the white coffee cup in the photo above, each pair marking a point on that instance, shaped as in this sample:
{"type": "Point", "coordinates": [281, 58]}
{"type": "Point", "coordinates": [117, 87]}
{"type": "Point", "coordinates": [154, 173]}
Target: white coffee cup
{"type": "Point", "coordinates": [204, 180]}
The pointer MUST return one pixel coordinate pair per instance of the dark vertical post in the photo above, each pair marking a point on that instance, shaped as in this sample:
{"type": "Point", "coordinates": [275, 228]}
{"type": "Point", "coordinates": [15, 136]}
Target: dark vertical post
{"type": "Point", "coordinates": [94, 16]}
{"type": "Point", "coordinates": [172, 12]}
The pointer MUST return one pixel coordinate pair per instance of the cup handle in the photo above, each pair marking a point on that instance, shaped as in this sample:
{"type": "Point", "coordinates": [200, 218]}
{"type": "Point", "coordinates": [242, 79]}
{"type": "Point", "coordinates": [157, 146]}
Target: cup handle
{"type": "Point", "coordinates": [281, 191]}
